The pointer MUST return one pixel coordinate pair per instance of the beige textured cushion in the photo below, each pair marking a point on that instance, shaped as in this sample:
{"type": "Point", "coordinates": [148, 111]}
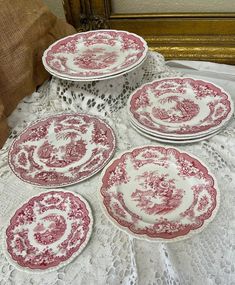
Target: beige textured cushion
{"type": "Point", "coordinates": [4, 131]}
{"type": "Point", "coordinates": [27, 28]}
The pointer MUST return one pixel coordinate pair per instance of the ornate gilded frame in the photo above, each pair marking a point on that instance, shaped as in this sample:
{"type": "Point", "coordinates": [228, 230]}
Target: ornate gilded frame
{"type": "Point", "coordinates": [194, 36]}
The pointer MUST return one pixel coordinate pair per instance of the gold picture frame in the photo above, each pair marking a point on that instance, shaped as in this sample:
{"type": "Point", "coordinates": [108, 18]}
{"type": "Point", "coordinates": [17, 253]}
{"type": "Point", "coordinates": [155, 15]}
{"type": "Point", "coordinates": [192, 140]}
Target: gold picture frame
{"type": "Point", "coordinates": [191, 36]}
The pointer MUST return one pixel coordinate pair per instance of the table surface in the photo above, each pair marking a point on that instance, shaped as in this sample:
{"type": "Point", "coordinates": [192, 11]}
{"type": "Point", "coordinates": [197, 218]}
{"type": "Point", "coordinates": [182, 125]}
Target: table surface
{"type": "Point", "coordinates": [112, 256]}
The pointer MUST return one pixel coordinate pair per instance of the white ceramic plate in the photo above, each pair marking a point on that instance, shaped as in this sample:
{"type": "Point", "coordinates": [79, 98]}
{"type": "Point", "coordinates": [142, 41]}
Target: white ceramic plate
{"type": "Point", "coordinates": [173, 140]}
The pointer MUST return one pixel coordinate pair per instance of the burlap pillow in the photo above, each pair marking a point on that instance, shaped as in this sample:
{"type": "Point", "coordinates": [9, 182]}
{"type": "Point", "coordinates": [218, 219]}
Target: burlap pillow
{"type": "Point", "coordinates": [3, 125]}
{"type": "Point", "coordinates": [27, 28]}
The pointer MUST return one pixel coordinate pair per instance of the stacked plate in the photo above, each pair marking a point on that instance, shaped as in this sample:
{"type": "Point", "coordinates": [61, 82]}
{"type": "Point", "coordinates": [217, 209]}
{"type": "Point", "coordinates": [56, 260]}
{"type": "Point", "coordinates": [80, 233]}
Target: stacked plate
{"type": "Point", "coordinates": [95, 55]}
{"type": "Point", "coordinates": [179, 110]}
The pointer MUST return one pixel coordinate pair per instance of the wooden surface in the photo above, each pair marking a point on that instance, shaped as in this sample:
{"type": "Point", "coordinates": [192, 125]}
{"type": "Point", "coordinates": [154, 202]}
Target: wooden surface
{"type": "Point", "coordinates": [194, 36]}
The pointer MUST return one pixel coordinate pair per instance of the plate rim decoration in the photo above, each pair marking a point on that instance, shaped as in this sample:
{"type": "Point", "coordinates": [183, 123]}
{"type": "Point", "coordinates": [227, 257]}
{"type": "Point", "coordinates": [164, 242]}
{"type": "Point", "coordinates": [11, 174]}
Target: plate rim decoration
{"type": "Point", "coordinates": [27, 269]}
{"type": "Point", "coordinates": [49, 186]}
{"type": "Point", "coordinates": [97, 77]}
{"type": "Point", "coordinates": [182, 135]}
{"type": "Point", "coordinates": [126, 229]}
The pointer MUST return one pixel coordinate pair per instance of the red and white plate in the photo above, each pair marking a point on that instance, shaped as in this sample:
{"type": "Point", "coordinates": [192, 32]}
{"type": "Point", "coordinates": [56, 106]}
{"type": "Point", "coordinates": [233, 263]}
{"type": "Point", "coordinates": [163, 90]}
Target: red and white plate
{"type": "Point", "coordinates": [159, 193]}
{"type": "Point", "coordinates": [94, 54]}
{"type": "Point", "coordinates": [48, 231]}
{"type": "Point", "coordinates": [180, 107]}
{"type": "Point", "coordinates": [62, 150]}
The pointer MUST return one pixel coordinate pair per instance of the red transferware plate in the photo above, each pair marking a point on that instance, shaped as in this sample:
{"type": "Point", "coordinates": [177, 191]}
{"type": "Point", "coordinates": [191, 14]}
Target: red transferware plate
{"type": "Point", "coordinates": [94, 54]}
{"type": "Point", "coordinates": [180, 107]}
{"type": "Point", "coordinates": [48, 231]}
{"type": "Point", "coordinates": [158, 193]}
{"type": "Point", "coordinates": [62, 150]}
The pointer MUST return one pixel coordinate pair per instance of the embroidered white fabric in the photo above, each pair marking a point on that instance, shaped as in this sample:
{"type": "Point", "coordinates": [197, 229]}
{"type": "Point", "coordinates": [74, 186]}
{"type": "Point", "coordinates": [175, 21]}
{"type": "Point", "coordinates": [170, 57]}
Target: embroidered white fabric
{"type": "Point", "coordinates": [111, 256]}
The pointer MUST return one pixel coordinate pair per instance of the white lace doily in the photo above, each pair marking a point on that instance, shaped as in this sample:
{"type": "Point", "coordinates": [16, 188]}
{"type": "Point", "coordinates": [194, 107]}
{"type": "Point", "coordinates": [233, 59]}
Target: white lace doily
{"type": "Point", "coordinates": [111, 256]}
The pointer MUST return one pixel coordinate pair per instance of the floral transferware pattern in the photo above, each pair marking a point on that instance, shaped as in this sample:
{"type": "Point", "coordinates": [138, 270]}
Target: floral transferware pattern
{"type": "Point", "coordinates": [180, 107]}
{"type": "Point", "coordinates": [62, 150]}
{"type": "Point", "coordinates": [159, 193]}
{"type": "Point", "coordinates": [94, 54]}
{"type": "Point", "coordinates": [48, 231]}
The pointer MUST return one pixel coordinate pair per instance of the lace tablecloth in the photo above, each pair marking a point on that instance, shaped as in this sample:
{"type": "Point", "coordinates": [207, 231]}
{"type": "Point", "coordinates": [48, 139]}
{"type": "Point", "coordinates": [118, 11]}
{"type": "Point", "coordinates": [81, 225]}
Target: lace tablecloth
{"type": "Point", "coordinates": [111, 256]}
